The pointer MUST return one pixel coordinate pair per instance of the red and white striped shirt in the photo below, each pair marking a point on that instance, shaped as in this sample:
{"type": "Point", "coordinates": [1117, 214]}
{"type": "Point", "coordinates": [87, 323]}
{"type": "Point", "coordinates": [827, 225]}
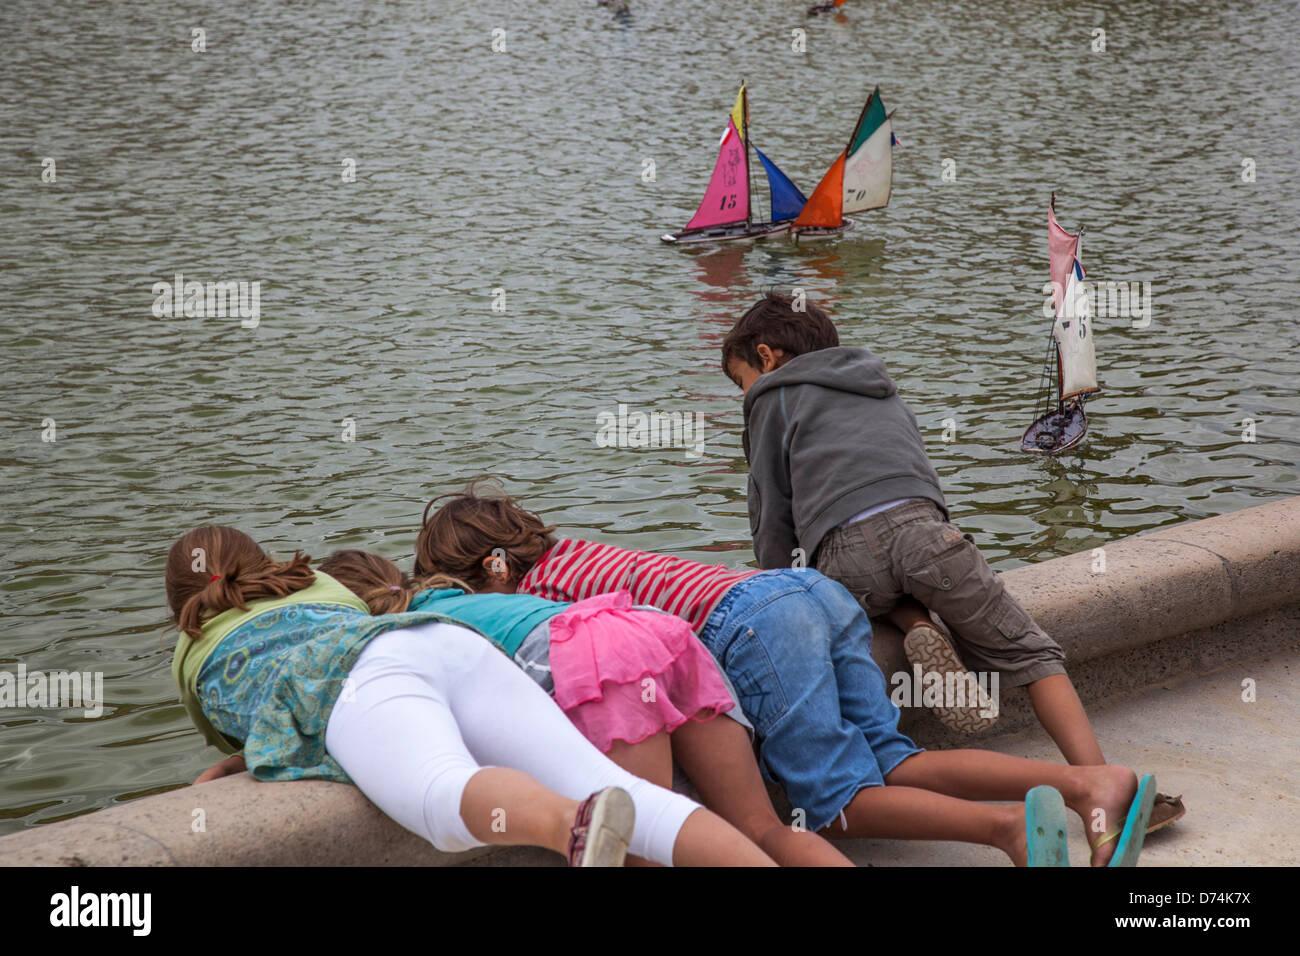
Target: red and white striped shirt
{"type": "Point", "coordinates": [575, 570]}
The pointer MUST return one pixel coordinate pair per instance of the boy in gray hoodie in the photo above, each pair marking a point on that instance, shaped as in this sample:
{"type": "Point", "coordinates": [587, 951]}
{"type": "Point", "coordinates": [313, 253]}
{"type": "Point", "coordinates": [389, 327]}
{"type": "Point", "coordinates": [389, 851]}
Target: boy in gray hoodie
{"type": "Point", "coordinates": [840, 480]}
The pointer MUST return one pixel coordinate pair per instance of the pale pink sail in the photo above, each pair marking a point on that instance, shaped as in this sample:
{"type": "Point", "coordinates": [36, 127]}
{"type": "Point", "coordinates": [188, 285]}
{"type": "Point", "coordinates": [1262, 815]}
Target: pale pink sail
{"type": "Point", "coordinates": [727, 198]}
{"type": "Point", "coordinates": [1061, 249]}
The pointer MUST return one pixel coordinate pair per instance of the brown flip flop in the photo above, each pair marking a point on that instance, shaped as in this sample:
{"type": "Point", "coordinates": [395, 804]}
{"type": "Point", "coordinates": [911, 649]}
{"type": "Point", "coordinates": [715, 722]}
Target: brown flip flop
{"type": "Point", "coordinates": [1166, 810]}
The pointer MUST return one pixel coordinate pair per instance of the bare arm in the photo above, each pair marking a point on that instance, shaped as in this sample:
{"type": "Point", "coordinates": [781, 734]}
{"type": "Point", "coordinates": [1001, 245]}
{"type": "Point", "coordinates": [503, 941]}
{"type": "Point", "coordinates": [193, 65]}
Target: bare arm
{"type": "Point", "coordinates": [230, 765]}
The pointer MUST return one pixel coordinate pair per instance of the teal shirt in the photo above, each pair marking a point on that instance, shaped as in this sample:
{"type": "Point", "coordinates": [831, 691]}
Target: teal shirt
{"type": "Point", "coordinates": [505, 619]}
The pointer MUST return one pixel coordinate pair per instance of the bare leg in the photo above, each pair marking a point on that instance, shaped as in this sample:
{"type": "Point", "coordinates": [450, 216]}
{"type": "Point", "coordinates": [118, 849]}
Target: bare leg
{"type": "Point", "coordinates": [1061, 713]}
{"type": "Point", "coordinates": [651, 759]}
{"type": "Point", "coordinates": [537, 816]}
{"type": "Point", "coordinates": [716, 755]}
{"type": "Point", "coordinates": [1099, 794]}
{"type": "Point", "coordinates": [708, 840]}
{"type": "Point", "coordinates": [907, 612]}
{"type": "Point", "coordinates": [906, 813]}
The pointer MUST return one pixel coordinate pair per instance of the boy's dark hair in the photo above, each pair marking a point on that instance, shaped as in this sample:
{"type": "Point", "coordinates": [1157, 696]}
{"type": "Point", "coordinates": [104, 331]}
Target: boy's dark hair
{"type": "Point", "coordinates": [773, 321]}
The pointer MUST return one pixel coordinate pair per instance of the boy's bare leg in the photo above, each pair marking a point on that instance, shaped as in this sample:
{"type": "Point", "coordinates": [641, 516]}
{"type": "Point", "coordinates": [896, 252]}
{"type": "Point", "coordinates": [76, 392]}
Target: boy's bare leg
{"type": "Point", "coordinates": [717, 756]}
{"type": "Point", "coordinates": [907, 813]}
{"type": "Point", "coordinates": [1061, 713]}
{"type": "Point", "coordinates": [907, 612]}
{"type": "Point", "coordinates": [1054, 698]}
{"type": "Point", "coordinates": [1100, 795]}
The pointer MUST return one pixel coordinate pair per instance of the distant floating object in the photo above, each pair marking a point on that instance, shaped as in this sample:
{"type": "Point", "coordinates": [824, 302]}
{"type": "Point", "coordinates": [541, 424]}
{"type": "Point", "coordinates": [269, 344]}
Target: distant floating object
{"type": "Point", "coordinates": [1070, 369]}
{"type": "Point", "coordinates": [725, 212]}
{"type": "Point", "coordinates": [820, 8]}
{"type": "Point", "coordinates": [861, 177]}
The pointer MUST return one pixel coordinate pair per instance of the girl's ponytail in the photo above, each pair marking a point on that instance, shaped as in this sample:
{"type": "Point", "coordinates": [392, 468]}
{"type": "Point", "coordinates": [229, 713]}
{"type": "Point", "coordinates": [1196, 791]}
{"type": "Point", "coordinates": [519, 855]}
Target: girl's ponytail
{"type": "Point", "coordinates": [381, 583]}
{"type": "Point", "coordinates": [373, 578]}
{"type": "Point", "coordinates": [213, 569]}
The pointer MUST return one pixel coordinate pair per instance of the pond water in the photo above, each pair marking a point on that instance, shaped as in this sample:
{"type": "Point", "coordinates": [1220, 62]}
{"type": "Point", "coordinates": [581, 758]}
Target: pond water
{"type": "Point", "coordinates": [514, 178]}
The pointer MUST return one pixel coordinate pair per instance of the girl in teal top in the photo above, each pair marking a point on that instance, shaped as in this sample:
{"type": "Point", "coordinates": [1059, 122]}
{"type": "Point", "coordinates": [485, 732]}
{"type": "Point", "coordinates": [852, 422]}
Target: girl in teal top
{"type": "Point", "coordinates": [506, 619]}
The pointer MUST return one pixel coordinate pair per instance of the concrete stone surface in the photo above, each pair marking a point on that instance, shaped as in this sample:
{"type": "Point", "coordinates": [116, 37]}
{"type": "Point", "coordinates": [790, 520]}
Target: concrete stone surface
{"type": "Point", "coordinates": [1142, 638]}
{"type": "Point", "coordinates": [1234, 763]}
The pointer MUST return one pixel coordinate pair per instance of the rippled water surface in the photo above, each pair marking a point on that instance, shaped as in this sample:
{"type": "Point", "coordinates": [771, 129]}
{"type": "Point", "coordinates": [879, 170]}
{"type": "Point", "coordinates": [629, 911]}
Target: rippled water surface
{"type": "Point", "coordinates": [522, 171]}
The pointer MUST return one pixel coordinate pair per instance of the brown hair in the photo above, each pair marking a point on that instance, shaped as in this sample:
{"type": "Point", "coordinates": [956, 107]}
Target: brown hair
{"type": "Point", "coordinates": [773, 321]}
{"type": "Point", "coordinates": [471, 525]}
{"type": "Point", "coordinates": [214, 568]}
{"type": "Point", "coordinates": [385, 587]}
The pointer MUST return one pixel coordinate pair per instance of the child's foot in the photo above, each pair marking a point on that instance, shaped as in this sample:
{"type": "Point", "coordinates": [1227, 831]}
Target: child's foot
{"type": "Point", "coordinates": [926, 646]}
{"type": "Point", "coordinates": [1104, 804]}
{"type": "Point", "coordinates": [1012, 838]}
{"type": "Point", "coordinates": [602, 829]}
{"type": "Point", "coordinates": [1167, 809]}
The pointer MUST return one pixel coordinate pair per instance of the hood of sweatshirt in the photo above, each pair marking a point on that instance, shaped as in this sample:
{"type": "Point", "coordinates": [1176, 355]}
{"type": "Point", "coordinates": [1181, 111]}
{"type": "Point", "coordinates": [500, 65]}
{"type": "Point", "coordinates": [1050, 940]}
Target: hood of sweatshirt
{"type": "Point", "coordinates": [847, 368]}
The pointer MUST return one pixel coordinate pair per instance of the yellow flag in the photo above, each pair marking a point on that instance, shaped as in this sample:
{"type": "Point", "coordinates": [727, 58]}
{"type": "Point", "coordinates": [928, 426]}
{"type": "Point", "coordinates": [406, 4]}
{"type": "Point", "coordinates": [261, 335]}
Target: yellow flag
{"type": "Point", "coordinates": [738, 112]}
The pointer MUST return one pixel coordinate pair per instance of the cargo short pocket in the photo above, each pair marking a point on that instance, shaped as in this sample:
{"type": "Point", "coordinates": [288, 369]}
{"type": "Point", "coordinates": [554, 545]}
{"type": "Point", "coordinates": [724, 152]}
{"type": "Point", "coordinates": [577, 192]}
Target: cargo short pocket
{"type": "Point", "coordinates": [953, 581]}
{"type": "Point", "coordinates": [1012, 621]}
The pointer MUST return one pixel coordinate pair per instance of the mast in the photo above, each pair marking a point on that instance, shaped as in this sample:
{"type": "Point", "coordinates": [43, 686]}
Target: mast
{"type": "Point", "coordinates": [858, 125]}
{"type": "Point", "coordinates": [744, 118]}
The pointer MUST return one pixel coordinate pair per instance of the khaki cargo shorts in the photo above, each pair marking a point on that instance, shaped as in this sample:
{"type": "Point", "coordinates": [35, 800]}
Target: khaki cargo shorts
{"type": "Point", "coordinates": [911, 549]}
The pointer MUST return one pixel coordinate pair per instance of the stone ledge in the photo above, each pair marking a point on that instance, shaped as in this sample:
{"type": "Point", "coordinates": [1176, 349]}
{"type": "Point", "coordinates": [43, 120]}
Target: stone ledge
{"type": "Point", "coordinates": [1178, 600]}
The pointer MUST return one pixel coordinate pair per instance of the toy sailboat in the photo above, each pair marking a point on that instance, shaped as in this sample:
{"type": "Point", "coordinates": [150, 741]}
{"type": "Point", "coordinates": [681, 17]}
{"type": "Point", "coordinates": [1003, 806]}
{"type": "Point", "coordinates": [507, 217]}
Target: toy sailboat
{"type": "Point", "coordinates": [725, 212]}
{"type": "Point", "coordinates": [1070, 370]}
{"type": "Point", "coordinates": [860, 178]}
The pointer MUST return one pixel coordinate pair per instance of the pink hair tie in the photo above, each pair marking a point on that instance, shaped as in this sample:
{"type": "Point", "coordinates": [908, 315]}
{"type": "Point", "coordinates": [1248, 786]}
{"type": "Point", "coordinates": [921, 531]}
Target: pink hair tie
{"type": "Point", "coordinates": [395, 587]}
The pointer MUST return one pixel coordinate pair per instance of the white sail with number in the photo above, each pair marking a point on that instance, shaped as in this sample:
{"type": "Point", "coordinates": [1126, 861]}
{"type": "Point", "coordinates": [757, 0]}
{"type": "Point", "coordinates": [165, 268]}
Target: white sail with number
{"type": "Point", "coordinates": [1072, 329]}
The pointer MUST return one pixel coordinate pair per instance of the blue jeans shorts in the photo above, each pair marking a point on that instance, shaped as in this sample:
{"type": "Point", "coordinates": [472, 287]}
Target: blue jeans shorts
{"type": "Point", "coordinates": [797, 647]}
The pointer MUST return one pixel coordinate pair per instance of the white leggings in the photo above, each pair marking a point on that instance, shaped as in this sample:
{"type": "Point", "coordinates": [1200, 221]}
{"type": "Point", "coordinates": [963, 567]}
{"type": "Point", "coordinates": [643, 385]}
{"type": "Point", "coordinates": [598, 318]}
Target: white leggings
{"type": "Point", "coordinates": [425, 708]}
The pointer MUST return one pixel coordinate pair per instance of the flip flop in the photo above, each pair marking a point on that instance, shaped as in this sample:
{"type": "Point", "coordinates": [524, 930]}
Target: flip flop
{"type": "Point", "coordinates": [1045, 827]}
{"type": "Point", "coordinates": [1135, 825]}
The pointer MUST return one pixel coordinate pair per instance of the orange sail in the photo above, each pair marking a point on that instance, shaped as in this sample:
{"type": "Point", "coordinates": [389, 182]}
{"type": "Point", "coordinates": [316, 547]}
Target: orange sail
{"type": "Point", "coordinates": [825, 207]}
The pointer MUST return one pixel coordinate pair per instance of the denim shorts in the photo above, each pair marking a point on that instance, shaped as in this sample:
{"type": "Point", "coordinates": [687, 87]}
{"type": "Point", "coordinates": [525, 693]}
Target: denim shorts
{"type": "Point", "coordinates": [797, 647]}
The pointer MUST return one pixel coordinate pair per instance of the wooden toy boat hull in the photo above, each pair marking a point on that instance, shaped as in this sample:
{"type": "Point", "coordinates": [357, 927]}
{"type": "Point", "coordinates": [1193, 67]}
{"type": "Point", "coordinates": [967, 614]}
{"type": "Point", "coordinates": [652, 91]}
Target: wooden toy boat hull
{"type": "Point", "coordinates": [813, 233]}
{"type": "Point", "coordinates": [731, 233]}
{"type": "Point", "coordinates": [1055, 432]}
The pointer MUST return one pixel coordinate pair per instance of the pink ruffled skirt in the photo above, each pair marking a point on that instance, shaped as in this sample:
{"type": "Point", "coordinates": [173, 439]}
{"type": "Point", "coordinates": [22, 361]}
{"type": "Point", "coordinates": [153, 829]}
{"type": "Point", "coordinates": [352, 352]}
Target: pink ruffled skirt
{"type": "Point", "coordinates": [626, 674]}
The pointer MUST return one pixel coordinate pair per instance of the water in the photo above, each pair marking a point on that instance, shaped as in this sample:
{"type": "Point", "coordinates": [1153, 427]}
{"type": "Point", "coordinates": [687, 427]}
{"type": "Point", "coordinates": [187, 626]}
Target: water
{"type": "Point", "coordinates": [522, 170]}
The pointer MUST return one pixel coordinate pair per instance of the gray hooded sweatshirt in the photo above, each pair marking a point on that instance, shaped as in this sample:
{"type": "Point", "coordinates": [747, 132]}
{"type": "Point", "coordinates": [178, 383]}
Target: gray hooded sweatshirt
{"type": "Point", "coordinates": [827, 437]}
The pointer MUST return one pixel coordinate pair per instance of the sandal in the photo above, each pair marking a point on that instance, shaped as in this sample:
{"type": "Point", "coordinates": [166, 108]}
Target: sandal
{"type": "Point", "coordinates": [1045, 827]}
{"type": "Point", "coordinates": [927, 647]}
{"type": "Point", "coordinates": [1135, 826]}
{"type": "Point", "coordinates": [602, 829]}
{"type": "Point", "coordinates": [1166, 810]}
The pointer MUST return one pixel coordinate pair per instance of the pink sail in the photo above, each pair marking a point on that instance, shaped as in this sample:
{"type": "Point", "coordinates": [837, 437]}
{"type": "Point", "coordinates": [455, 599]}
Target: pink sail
{"type": "Point", "coordinates": [1061, 249]}
{"type": "Point", "coordinates": [727, 198]}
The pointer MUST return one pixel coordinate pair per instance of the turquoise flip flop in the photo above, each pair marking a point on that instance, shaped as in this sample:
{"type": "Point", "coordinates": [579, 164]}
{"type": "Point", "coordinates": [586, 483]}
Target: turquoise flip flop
{"type": "Point", "coordinates": [1045, 827]}
{"type": "Point", "coordinates": [1129, 847]}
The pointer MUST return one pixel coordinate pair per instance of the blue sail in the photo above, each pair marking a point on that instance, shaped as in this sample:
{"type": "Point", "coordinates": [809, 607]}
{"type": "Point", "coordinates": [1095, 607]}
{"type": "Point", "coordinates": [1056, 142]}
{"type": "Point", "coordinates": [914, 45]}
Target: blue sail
{"type": "Point", "coordinates": [787, 201]}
